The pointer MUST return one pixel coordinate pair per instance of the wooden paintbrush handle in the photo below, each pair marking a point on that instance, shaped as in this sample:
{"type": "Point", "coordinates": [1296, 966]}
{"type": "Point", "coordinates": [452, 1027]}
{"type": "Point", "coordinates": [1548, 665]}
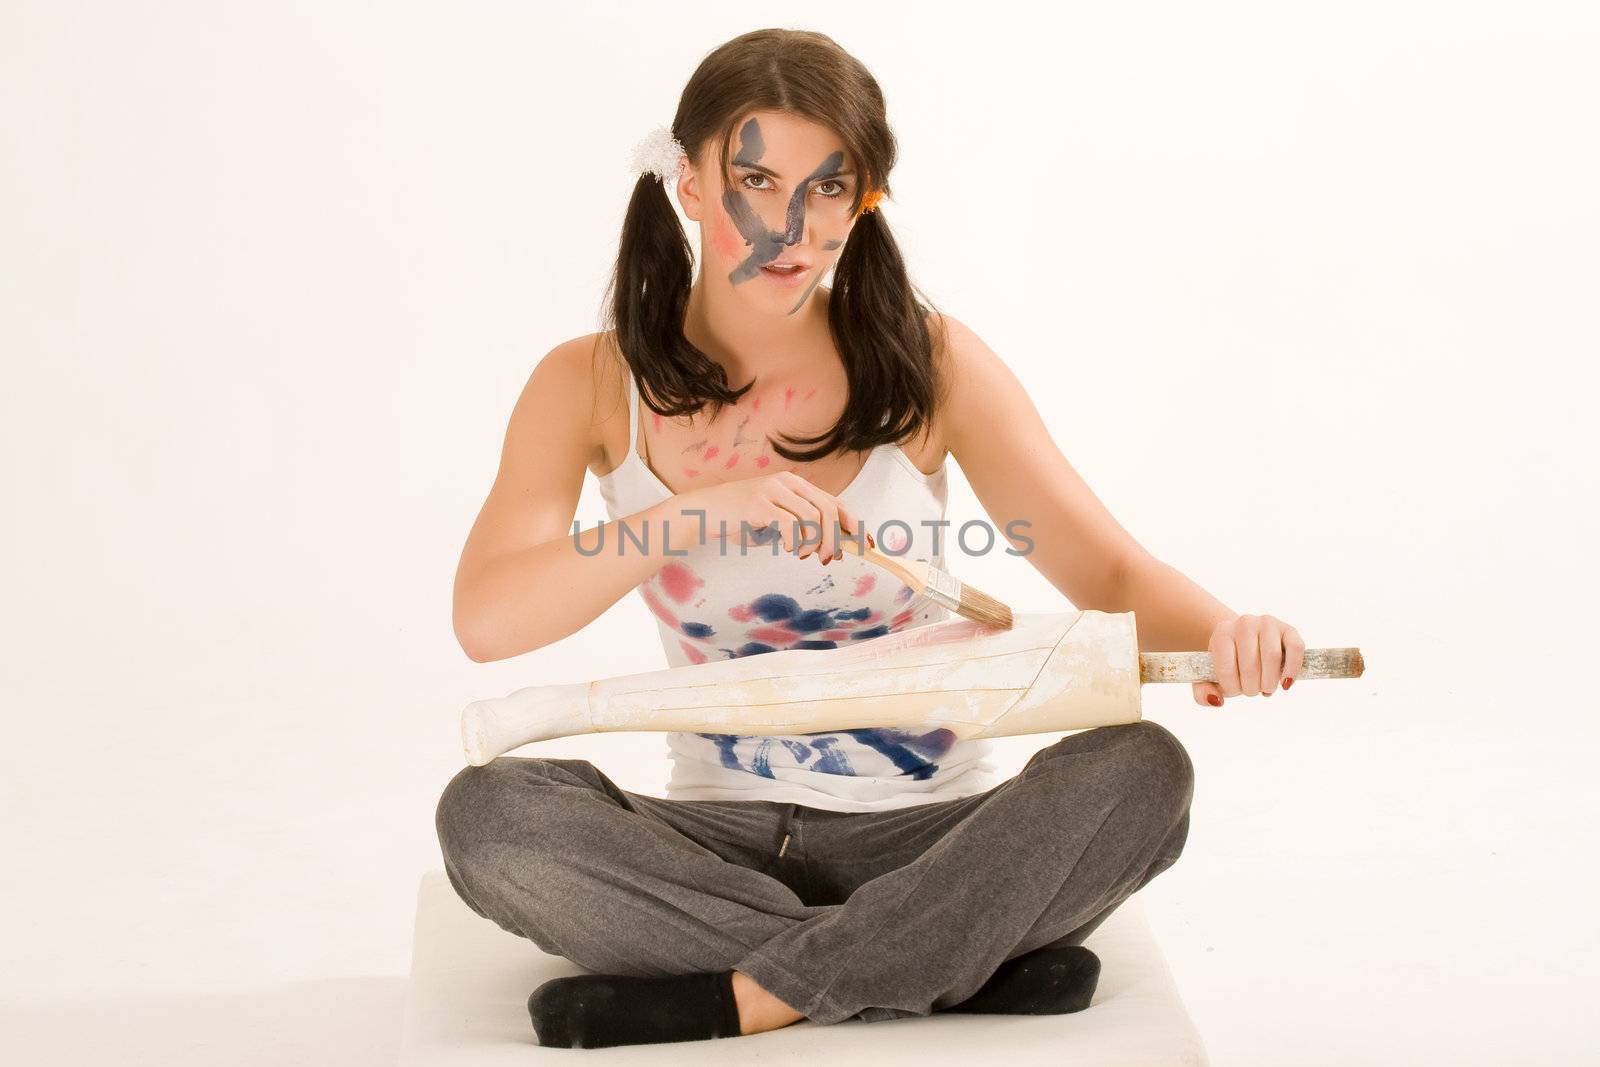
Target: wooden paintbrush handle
{"type": "Point", "coordinates": [1197, 667]}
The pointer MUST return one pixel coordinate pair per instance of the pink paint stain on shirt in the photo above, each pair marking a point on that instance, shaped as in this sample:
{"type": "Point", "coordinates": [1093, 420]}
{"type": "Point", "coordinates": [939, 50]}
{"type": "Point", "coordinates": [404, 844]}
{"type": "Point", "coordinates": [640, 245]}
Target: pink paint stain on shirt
{"type": "Point", "coordinates": [694, 654]}
{"type": "Point", "coordinates": [660, 610]}
{"type": "Point", "coordinates": [895, 540]}
{"type": "Point", "coordinates": [731, 461]}
{"type": "Point", "coordinates": [679, 581]}
{"type": "Point", "coordinates": [864, 585]}
{"type": "Point", "coordinates": [900, 620]}
{"type": "Point", "coordinates": [741, 613]}
{"type": "Point", "coordinates": [762, 461]}
{"type": "Point", "coordinates": [710, 452]}
{"type": "Point", "coordinates": [835, 635]}
{"type": "Point", "coordinates": [774, 635]}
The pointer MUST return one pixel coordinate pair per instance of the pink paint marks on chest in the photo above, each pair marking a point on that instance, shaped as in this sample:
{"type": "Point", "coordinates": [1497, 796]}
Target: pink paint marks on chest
{"type": "Point", "coordinates": [731, 461]}
{"type": "Point", "coordinates": [755, 404]}
{"type": "Point", "coordinates": [762, 461]}
{"type": "Point", "coordinates": [864, 585]}
{"type": "Point", "coordinates": [788, 397]}
{"type": "Point", "coordinates": [679, 582]}
{"type": "Point", "coordinates": [657, 420]}
{"type": "Point", "coordinates": [691, 472]}
{"type": "Point", "coordinates": [711, 452]}
{"type": "Point", "coordinates": [809, 395]}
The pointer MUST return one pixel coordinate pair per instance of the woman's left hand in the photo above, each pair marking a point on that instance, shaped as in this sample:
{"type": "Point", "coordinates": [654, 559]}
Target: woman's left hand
{"type": "Point", "coordinates": [1251, 655]}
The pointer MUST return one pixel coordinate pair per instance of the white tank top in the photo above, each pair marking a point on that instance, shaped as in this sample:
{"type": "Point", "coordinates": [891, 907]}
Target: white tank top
{"type": "Point", "coordinates": [713, 603]}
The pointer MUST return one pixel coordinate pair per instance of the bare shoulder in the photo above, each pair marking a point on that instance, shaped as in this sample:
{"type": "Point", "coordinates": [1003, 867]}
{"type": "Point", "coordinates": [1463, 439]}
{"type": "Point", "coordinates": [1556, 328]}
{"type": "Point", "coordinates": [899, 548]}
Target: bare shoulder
{"type": "Point", "coordinates": [580, 382]}
{"type": "Point", "coordinates": [966, 368]}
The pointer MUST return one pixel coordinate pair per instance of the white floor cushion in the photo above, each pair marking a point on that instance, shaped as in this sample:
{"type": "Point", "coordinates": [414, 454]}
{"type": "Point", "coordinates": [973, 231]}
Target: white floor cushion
{"type": "Point", "coordinates": [470, 981]}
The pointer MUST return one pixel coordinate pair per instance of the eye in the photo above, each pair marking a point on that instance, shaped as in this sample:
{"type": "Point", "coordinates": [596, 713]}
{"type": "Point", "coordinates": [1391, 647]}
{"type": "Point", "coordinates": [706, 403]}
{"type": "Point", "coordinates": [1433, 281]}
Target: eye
{"type": "Point", "coordinates": [832, 181]}
{"type": "Point", "coordinates": [753, 177]}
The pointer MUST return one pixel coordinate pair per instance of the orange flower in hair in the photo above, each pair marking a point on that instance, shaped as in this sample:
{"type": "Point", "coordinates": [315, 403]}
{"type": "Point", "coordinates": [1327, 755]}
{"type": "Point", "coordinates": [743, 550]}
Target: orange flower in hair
{"type": "Point", "coordinates": [869, 200]}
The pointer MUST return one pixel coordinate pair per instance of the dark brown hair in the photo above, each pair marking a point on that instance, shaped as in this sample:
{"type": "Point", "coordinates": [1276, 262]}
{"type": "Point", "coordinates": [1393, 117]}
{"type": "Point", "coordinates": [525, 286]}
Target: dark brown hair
{"type": "Point", "coordinates": [875, 317]}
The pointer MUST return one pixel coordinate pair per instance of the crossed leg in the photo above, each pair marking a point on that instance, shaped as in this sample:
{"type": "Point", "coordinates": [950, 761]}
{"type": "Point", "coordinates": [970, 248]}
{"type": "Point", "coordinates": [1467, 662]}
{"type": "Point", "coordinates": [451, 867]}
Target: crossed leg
{"type": "Point", "coordinates": [620, 883]}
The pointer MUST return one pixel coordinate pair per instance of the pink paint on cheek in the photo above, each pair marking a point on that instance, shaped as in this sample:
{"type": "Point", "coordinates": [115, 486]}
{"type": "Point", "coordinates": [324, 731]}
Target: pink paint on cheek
{"type": "Point", "coordinates": [864, 584]}
{"type": "Point", "coordinates": [731, 461]}
{"type": "Point", "coordinates": [723, 239]}
{"type": "Point", "coordinates": [679, 581]}
{"type": "Point", "coordinates": [741, 613]}
{"type": "Point", "coordinates": [762, 461]}
{"type": "Point", "coordinates": [710, 452]}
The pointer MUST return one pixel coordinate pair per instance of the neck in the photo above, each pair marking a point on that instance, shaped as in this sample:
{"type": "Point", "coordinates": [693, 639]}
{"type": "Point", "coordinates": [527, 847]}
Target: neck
{"type": "Point", "coordinates": [747, 344]}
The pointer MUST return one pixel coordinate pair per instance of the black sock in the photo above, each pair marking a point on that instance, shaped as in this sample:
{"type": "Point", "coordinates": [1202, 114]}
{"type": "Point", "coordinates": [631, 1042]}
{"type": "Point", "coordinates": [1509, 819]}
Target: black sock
{"type": "Point", "coordinates": [601, 1010]}
{"type": "Point", "coordinates": [1046, 981]}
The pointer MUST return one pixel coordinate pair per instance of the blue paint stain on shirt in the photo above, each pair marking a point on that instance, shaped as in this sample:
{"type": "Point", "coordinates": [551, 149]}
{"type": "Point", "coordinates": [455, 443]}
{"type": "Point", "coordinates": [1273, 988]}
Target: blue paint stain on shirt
{"type": "Point", "coordinates": [775, 606]}
{"type": "Point", "coordinates": [815, 643]}
{"type": "Point", "coordinates": [876, 631]}
{"type": "Point", "coordinates": [697, 629]}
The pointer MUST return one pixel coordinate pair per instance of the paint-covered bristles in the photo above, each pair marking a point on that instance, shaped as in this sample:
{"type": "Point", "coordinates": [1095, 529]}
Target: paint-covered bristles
{"type": "Point", "coordinates": [983, 609]}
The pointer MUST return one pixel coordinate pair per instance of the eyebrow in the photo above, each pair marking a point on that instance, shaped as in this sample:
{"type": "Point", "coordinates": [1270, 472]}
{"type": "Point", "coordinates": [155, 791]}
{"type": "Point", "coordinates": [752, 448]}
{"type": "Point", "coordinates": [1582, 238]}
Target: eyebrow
{"type": "Point", "coordinates": [774, 174]}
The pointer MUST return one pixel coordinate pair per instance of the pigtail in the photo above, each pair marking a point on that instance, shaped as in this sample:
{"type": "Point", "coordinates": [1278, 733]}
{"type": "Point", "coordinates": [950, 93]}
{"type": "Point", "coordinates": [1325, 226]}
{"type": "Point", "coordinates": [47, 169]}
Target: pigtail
{"type": "Point", "coordinates": [648, 296]}
{"type": "Point", "coordinates": [879, 326]}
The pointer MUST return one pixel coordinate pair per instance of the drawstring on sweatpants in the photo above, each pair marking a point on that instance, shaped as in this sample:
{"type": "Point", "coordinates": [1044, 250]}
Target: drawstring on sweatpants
{"type": "Point", "coordinates": [785, 845]}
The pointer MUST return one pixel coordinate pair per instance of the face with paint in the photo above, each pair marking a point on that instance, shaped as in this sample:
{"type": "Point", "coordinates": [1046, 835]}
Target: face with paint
{"type": "Point", "coordinates": [771, 233]}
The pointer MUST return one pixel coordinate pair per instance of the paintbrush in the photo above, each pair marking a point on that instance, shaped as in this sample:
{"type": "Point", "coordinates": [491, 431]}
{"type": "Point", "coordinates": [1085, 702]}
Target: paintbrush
{"type": "Point", "coordinates": [941, 587]}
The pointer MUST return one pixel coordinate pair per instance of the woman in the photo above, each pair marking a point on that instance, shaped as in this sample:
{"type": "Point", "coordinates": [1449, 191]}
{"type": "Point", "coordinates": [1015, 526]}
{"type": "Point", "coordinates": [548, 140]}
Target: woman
{"type": "Point", "coordinates": [864, 874]}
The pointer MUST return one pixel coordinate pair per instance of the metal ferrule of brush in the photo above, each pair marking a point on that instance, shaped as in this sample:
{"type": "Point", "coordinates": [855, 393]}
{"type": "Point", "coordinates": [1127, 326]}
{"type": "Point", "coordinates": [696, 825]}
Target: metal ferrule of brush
{"type": "Point", "coordinates": [943, 589]}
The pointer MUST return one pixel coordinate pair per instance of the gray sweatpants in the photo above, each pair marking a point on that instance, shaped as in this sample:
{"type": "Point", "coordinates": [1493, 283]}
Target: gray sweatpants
{"type": "Point", "coordinates": [841, 915]}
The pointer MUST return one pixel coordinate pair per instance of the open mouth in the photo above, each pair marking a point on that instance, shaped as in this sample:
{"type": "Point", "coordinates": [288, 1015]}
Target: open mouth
{"type": "Point", "coordinates": [785, 275]}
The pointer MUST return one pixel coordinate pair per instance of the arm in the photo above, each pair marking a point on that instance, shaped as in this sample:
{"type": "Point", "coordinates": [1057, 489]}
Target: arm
{"type": "Point", "coordinates": [521, 582]}
{"type": "Point", "coordinates": [995, 432]}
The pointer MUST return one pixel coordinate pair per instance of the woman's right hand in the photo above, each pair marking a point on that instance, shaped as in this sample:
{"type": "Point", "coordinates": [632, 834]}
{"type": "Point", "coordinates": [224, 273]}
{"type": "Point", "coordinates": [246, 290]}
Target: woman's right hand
{"type": "Point", "coordinates": [784, 498]}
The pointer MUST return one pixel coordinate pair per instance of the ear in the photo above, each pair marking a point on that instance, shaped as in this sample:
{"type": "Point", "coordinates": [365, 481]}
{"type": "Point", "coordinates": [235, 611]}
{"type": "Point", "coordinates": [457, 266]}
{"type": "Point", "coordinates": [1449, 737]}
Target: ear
{"type": "Point", "coordinates": [689, 192]}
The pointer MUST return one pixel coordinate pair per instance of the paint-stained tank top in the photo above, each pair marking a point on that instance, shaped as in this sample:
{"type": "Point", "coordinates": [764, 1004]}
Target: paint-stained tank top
{"type": "Point", "coordinates": [713, 603]}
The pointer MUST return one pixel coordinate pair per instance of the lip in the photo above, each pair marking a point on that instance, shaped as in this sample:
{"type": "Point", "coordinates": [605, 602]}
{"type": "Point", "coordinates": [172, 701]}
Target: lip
{"type": "Point", "coordinates": [787, 281]}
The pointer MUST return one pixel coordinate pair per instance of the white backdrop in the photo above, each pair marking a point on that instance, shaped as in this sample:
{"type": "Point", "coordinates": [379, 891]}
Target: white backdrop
{"type": "Point", "coordinates": [1317, 322]}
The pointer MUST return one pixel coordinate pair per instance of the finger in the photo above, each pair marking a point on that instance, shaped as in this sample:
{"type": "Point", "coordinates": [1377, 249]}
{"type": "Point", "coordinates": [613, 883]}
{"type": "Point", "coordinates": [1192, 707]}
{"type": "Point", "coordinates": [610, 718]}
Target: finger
{"type": "Point", "coordinates": [1246, 640]}
{"type": "Point", "coordinates": [1208, 694]}
{"type": "Point", "coordinates": [1224, 663]}
{"type": "Point", "coordinates": [1294, 654]}
{"type": "Point", "coordinates": [1271, 654]}
{"type": "Point", "coordinates": [828, 511]}
{"type": "Point", "coordinates": [804, 511]}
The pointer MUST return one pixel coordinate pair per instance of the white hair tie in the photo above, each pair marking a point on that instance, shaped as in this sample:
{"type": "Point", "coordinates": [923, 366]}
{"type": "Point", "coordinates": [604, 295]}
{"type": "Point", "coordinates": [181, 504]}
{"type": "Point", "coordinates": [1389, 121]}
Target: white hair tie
{"type": "Point", "coordinates": [658, 154]}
